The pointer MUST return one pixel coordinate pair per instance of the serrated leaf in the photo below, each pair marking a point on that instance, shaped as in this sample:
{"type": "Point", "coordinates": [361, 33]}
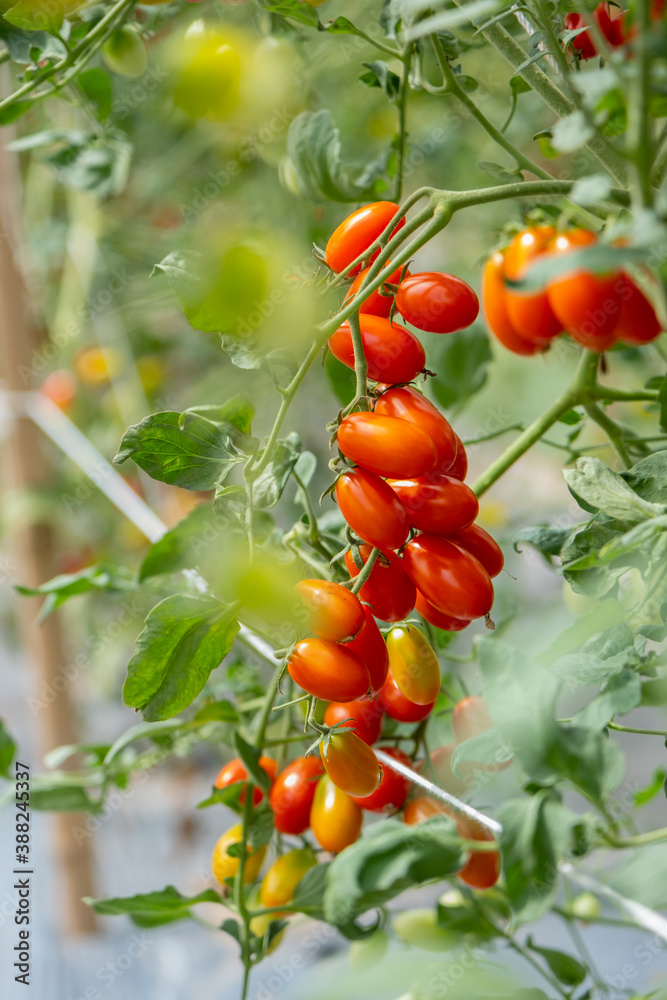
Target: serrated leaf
{"type": "Point", "coordinates": [599, 486]}
{"type": "Point", "coordinates": [269, 485]}
{"type": "Point", "coordinates": [546, 539]}
{"type": "Point", "coordinates": [619, 695]}
{"type": "Point", "coordinates": [92, 578]}
{"type": "Point", "coordinates": [379, 75]}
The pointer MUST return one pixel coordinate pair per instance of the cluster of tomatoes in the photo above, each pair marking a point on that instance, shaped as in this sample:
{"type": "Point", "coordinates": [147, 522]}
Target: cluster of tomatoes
{"type": "Point", "coordinates": [597, 310]}
{"type": "Point", "coordinates": [613, 24]}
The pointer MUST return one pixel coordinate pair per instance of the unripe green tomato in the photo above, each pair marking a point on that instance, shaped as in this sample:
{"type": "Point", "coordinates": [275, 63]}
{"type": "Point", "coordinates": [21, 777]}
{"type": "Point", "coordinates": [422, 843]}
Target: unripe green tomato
{"type": "Point", "coordinates": [368, 953]}
{"type": "Point", "coordinates": [209, 63]}
{"type": "Point", "coordinates": [420, 929]}
{"type": "Point", "coordinates": [585, 906]}
{"type": "Point", "coordinates": [125, 53]}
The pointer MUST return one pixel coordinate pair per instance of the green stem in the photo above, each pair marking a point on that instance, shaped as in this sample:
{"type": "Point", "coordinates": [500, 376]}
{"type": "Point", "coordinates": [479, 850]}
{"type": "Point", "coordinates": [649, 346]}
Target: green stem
{"type": "Point", "coordinates": [609, 395]}
{"type": "Point", "coordinates": [633, 729]}
{"type": "Point", "coordinates": [364, 572]}
{"type": "Point", "coordinates": [653, 837]}
{"type": "Point", "coordinates": [640, 136]}
{"type": "Point", "coordinates": [313, 531]}
{"type": "Point", "coordinates": [525, 954]}
{"type": "Point", "coordinates": [402, 123]}
{"type": "Point", "coordinates": [360, 362]}
{"type": "Point", "coordinates": [611, 429]}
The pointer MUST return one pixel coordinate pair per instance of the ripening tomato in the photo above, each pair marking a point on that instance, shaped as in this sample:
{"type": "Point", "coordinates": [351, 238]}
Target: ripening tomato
{"type": "Point", "coordinates": [437, 302]}
{"type": "Point", "coordinates": [397, 706]}
{"type": "Point", "coordinates": [530, 313]}
{"type": "Point", "coordinates": [438, 618]}
{"type": "Point", "coordinates": [356, 233]}
{"type": "Point", "coordinates": [335, 613]}
{"type": "Point", "coordinates": [376, 304]}
{"type": "Point", "coordinates": [393, 353]}
{"type": "Point", "coordinates": [224, 866]}
{"type": "Point", "coordinates": [408, 404]}
{"type": "Point", "coordinates": [235, 771]}
{"type": "Point", "coordinates": [386, 446]}
{"type": "Point", "coordinates": [459, 467]}
{"type": "Point", "coordinates": [124, 52]}
{"type": "Point", "coordinates": [328, 670]}
{"type": "Point", "coordinates": [448, 576]}
{"type": "Point", "coordinates": [441, 768]}
{"type": "Point", "coordinates": [60, 387]}
{"type": "Point", "coordinates": [389, 590]}
{"type": "Point", "coordinates": [365, 717]}
{"type": "Point", "coordinates": [391, 793]}
{"type": "Point", "coordinates": [471, 716]}
{"type": "Point", "coordinates": [292, 794]}
{"type": "Point", "coordinates": [372, 509]}
{"type": "Point", "coordinates": [437, 503]}
{"type": "Point", "coordinates": [280, 882]}
{"type": "Point", "coordinates": [610, 24]}
{"type": "Point", "coordinates": [335, 817]}
{"type": "Point", "coordinates": [350, 763]}
{"type": "Point", "coordinates": [585, 304]}
{"type": "Point", "coordinates": [495, 308]}
{"type": "Point", "coordinates": [637, 320]}
{"type": "Point", "coordinates": [482, 869]}
{"type": "Point", "coordinates": [413, 664]}
{"type": "Point", "coordinates": [420, 809]}
{"type": "Point", "coordinates": [485, 548]}
{"type": "Point", "coordinates": [369, 646]}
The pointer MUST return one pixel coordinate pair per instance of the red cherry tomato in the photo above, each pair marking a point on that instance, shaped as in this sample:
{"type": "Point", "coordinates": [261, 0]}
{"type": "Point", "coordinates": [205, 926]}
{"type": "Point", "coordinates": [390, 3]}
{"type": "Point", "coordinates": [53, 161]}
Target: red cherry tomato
{"type": "Point", "coordinates": [393, 353]}
{"type": "Point", "coordinates": [495, 308]}
{"type": "Point", "coordinates": [637, 321]}
{"type": "Point", "coordinates": [437, 618]}
{"type": "Point", "coordinates": [369, 646]}
{"type": "Point", "coordinates": [437, 503]}
{"type": "Point", "coordinates": [408, 404]}
{"type": "Point", "coordinates": [386, 446]}
{"type": "Point", "coordinates": [335, 817]}
{"type": "Point", "coordinates": [328, 670]}
{"type": "Point", "coordinates": [235, 771]}
{"type": "Point", "coordinates": [482, 869]}
{"type": "Point", "coordinates": [356, 233]}
{"type": "Point", "coordinates": [334, 613]}
{"type": "Point", "coordinates": [292, 794]}
{"type": "Point", "coordinates": [372, 509]}
{"type": "Point", "coordinates": [586, 304]}
{"type": "Point", "coordinates": [376, 304]}
{"type": "Point", "coordinates": [391, 793]}
{"type": "Point", "coordinates": [448, 576]}
{"type": "Point", "coordinates": [530, 313]}
{"type": "Point", "coordinates": [364, 716]}
{"type": "Point", "coordinates": [389, 591]}
{"type": "Point", "coordinates": [611, 26]}
{"type": "Point", "coordinates": [583, 44]}
{"type": "Point", "coordinates": [350, 763]}
{"type": "Point", "coordinates": [437, 302]}
{"type": "Point", "coordinates": [398, 707]}
{"type": "Point", "coordinates": [485, 548]}
{"type": "Point", "coordinates": [459, 468]}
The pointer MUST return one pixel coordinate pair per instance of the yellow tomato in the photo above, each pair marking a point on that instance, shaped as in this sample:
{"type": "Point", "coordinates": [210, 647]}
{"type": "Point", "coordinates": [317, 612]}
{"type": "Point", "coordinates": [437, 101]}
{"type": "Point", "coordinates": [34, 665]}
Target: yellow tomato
{"type": "Point", "coordinates": [259, 926]}
{"type": "Point", "coordinates": [284, 875]}
{"type": "Point", "coordinates": [413, 664]}
{"type": "Point", "coordinates": [224, 866]}
{"type": "Point", "coordinates": [96, 365]}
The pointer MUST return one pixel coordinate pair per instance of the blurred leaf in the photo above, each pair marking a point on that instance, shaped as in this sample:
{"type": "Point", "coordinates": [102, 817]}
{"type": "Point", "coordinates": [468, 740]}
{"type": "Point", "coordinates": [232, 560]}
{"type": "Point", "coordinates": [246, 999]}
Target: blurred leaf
{"type": "Point", "coordinates": [564, 967]}
{"type": "Point", "coordinates": [342, 26]}
{"type": "Point", "coordinates": [461, 360]}
{"type": "Point", "coordinates": [620, 694]}
{"type": "Point", "coordinates": [29, 16]}
{"type": "Point", "coordinates": [229, 796]}
{"type": "Point", "coordinates": [250, 756]}
{"type": "Point", "coordinates": [236, 414]}
{"type": "Point", "coordinates": [500, 173]}
{"type": "Point", "coordinates": [600, 658]}
{"type": "Point", "coordinates": [261, 827]}
{"type": "Point", "coordinates": [596, 483]}
{"type": "Point", "coordinates": [547, 540]}
{"type": "Point", "coordinates": [7, 750]}
{"type": "Point", "coordinates": [465, 919]}
{"type": "Point", "coordinates": [589, 190]}
{"type": "Point", "coordinates": [310, 890]}
{"type": "Point", "coordinates": [24, 45]}
{"type": "Point", "coordinates": [269, 485]}
{"type": "Point", "coordinates": [183, 640]}
{"type": "Point", "coordinates": [485, 748]}
{"type": "Point", "coordinates": [170, 553]}
{"type": "Point", "coordinates": [379, 75]}
{"type": "Point", "coordinates": [294, 9]}
{"type": "Point", "coordinates": [14, 110]}
{"type": "Point", "coordinates": [469, 13]}
{"type": "Point", "coordinates": [648, 478]}
{"type": "Point", "coordinates": [83, 161]}
{"type": "Point", "coordinates": [152, 908]}
{"type": "Point", "coordinates": [61, 588]}
{"type": "Point", "coordinates": [571, 133]}
{"type": "Point", "coordinates": [96, 85]}
{"type": "Point", "coordinates": [62, 798]}
{"type": "Point", "coordinates": [650, 791]}
{"type": "Point", "coordinates": [217, 711]}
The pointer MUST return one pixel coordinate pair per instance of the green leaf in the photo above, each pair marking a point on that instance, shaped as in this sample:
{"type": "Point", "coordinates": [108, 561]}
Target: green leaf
{"type": "Point", "coordinates": [62, 798]}
{"type": "Point", "coordinates": [96, 85]}
{"type": "Point", "coordinates": [217, 711]}
{"type": "Point", "coordinates": [185, 543]}
{"type": "Point", "coordinates": [379, 75]}
{"type": "Point", "coordinates": [250, 756]}
{"type": "Point", "coordinates": [648, 478]}
{"type": "Point", "coordinates": [620, 694]}
{"type": "Point", "coordinates": [269, 485]}
{"type": "Point", "coordinates": [571, 133]}
{"type": "Point", "coordinates": [650, 791]}
{"type": "Point", "coordinates": [293, 9]}
{"type": "Point", "coordinates": [261, 826]}
{"type": "Point", "coordinates": [183, 450]}
{"type": "Point", "coordinates": [485, 748]}
{"type": "Point", "coordinates": [82, 161]}
{"type": "Point", "coordinates": [464, 919]}
{"type": "Point", "coordinates": [28, 47]}
{"type": "Point", "coordinates": [236, 414]}
{"type": "Point", "coordinates": [469, 13]}
{"type": "Point", "coordinates": [595, 482]}
{"type": "Point", "coordinates": [565, 968]}
{"type": "Point", "coordinates": [313, 147]}
{"type": "Point", "coordinates": [229, 796]}
{"type": "Point", "coordinates": [547, 540]}
{"type": "Point", "coordinates": [342, 26]}
{"type": "Point", "coordinates": [600, 658]}
{"type": "Point", "coordinates": [184, 639]}
{"type": "Point", "coordinates": [7, 750]}
{"type": "Point", "coordinates": [92, 578]}
{"type": "Point", "coordinates": [35, 17]}
{"type": "Point", "coordinates": [14, 111]}
{"type": "Point", "coordinates": [310, 890]}
{"type": "Point", "coordinates": [461, 361]}
{"type": "Point", "coordinates": [592, 189]}
{"type": "Point", "coordinates": [151, 909]}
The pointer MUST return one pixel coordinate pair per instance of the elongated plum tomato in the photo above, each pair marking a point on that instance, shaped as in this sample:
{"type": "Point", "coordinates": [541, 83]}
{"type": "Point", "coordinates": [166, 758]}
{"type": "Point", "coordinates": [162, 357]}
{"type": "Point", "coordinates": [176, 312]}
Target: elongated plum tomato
{"type": "Point", "coordinates": [391, 793]}
{"type": "Point", "coordinates": [328, 670]}
{"type": "Point", "coordinates": [448, 576]}
{"type": "Point", "coordinates": [485, 548]}
{"type": "Point", "coordinates": [586, 304]}
{"type": "Point", "coordinates": [376, 304]}
{"type": "Point", "coordinates": [437, 302]}
{"type": "Point", "coordinates": [356, 233]}
{"type": "Point", "coordinates": [284, 875]}
{"type": "Point", "coordinates": [459, 467]}
{"type": "Point", "coordinates": [482, 869]}
{"type": "Point", "coordinates": [438, 618]}
{"type": "Point", "coordinates": [372, 509]}
{"type": "Point", "coordinates": [408, 404]}
{"type": "Point", "coordinates": [637, 321]}
{"type": "Point", "coordinates": [495, 308]}
{"type": "Point", "coordinates": [389, 590]}
{"type": "Point", "coordinates": [530, 313]}
{"type": "Point", "coordinates": [436, 502]}
{"type": "Point", "coordinates": [393, 353]}
{"type": "Point", "coordinates": [365, 717]}
{"type": "Point", "coordinates": [124, 52]}
{"type": "Point", "coordinates": [350, 763]}
{"type": "Point", "coordinates": [414, 665]}
{"type": "Point", "coordinates": [235, 771]}
{"type": "Point", "coordinates": [369, 646]}
{"type": "Point", "coordinates": [224, 866]}
{"type": "Point", "coordinates": [334, 612]}
{"type": "Point", "coordinates": [397, 706]}
{"type": "Point", "coordinates": [292, 794]}
{"type": "Point", "coordinates": [386, 446]}
{"type": "Point", "coordinates": [335, 817]}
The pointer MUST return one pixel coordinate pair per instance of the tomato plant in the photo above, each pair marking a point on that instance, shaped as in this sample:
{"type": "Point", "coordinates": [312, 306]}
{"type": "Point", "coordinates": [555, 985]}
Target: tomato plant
{"type": "Point", "coordinates": [436, 302]}
{"type": "Point", "coordinates": [388, 590]}
{"type": "Point", "coordinates": [235, 771]}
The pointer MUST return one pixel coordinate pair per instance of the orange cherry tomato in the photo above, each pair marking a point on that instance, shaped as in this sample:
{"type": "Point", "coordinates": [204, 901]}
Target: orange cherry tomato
{"type": "Point", "coordinates": [397, 706]}
{"type": "Point", "coordinates": [586, 304]}
{"type": "Point", "coordinates": [429, 612]}
{"type": "Point", "coordinates": [389, 590]}
{"type": "Point", "coordinates": [393, 353]}
{"type": "Point", "coordinates": [459, 467]}
{"type": "Point", "coordinates": [60, 386]}
{"type": "Point", "coordinates": [485, 548]}
{"type": "Point", "coordinates": [369, 646]}
{"type": "Point", "coordinates": [350, 763]}
{"type": "Point", "coordinates": [356, 233]}
{"type": "Point", "coordinates": [495, 308]}
{"type": "Point", "coordinates": [471, 716]}
{"type": "Point", "coordinates": [365, 717]}
{"type": "Point", "coordinates": [280, 882]}
{"type": "Point", "coordinates": [292, 794]}
{"type": "Point", "coordinates": [328, 670]}
{"type": "Point", "coordinates": [391, 793]}
{"type": "Point", "coordinates": [448, 576]}
{"type": "Point", "coordinates": [437, 302]}
{"type": "Point", "coordinates": [637, 320]}
{"type": "Point", "coordinates": [372, 509]}
{"type": "Point", "coordinates": [408, 404]}
{"type": "Point", "coordinates": [530, 313]}
{"type": "Point", "coordinates": [441, 767]}
{"type": "Point", "coordinates": [421, 808]}
{"type": "Point", "coordinates": [335, 817]}
{"type": "Point", "coordinates": [413, 664]}
{"type": "Point", "coordinates": [386, 446]}
{"type": "Point", "coordinates": [376, 304]}
{"type": "Point", "coordinates": [334, 613]}
{"type": "Point", "coordinates": [437, 503]}
{"type": "Point", "coordinates": [235, 771]}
